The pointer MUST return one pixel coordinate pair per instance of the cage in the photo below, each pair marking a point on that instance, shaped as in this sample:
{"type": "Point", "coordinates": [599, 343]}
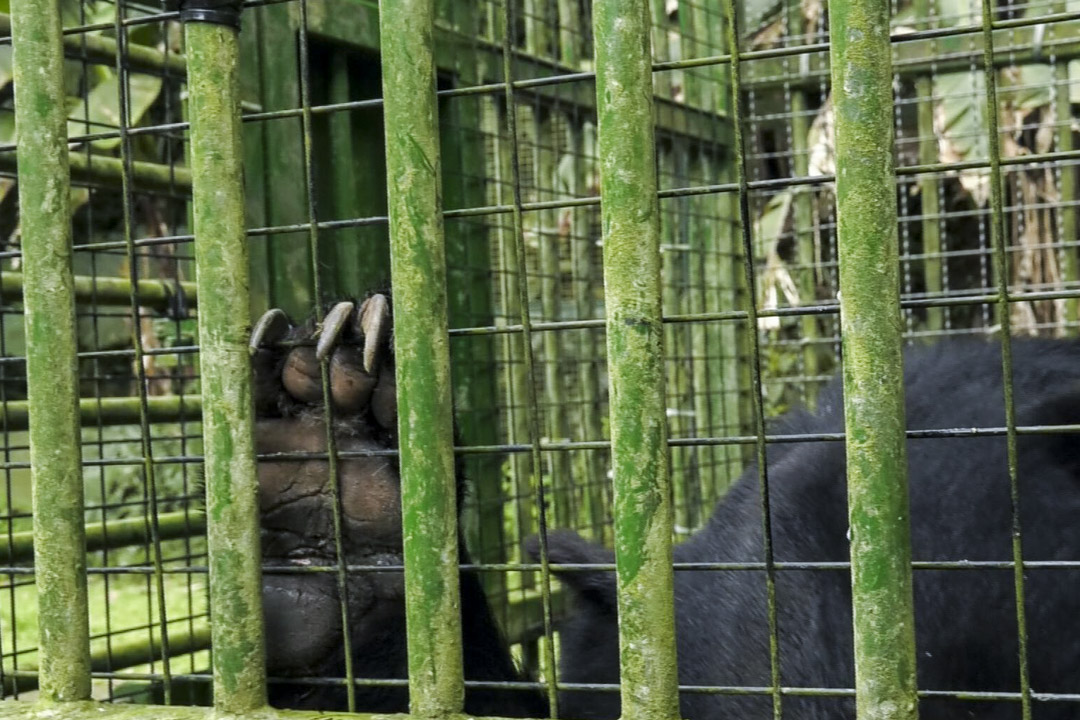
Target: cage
{"type": "Point", "coordinates": [611, 370]}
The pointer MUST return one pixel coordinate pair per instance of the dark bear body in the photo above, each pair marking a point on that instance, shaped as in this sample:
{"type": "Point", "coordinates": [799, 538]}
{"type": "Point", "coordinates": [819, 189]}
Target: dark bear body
{"type": "Point", "coordinates": [966, 622]}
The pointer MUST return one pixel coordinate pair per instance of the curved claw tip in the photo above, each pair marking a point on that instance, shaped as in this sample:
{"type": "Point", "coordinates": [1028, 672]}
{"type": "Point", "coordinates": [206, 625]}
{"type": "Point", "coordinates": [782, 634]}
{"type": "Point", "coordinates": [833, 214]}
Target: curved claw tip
{"type": "Point", "coordinates": [332, 325]}
{"type": "Point", "coordinates": [271, 327]}
{"type": "Point", "coordinates": [374, 322]}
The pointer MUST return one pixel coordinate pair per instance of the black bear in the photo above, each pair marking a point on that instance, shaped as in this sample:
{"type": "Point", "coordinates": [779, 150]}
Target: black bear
{"type": "Point", "coordinates": [966, 619]}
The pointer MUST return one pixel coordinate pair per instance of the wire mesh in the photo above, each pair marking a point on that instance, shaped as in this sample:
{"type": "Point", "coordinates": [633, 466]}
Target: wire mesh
{"type": "Point", "coordinates": [524, 243]}
{"type": "Point", "coordinates": [140, 473]}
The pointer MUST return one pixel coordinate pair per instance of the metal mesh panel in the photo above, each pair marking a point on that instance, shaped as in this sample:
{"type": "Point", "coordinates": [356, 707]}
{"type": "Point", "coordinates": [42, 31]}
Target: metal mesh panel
{"type": "Point", "coordinates": [137, 363]}
{"type": "Point", "coordinates": [528, 357]}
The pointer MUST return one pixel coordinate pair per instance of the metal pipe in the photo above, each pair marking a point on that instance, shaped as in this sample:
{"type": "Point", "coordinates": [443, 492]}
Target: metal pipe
{"type": "Point", "coordinates": [630, 217]}
{"type": "Point", "coordinates": [871, 333]}
{"type": "Point", "coordinates": [221, 257]}
{"type": "Point", "coordinates": [51, 362]}
{"type": "Point", "coordinates": [425, 419]}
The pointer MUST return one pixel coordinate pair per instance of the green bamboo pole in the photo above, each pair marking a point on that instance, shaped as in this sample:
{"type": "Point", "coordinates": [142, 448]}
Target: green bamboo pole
{"type": "Point", "coordinates": [704, 96]}
{"type": "Point", "coordinates": [19, 547]}
{"type": "Point", "coordinates": [51, 344]}
{"type": "Point", "coordinates": [804, 217]}
{"type": "Point", "coordinates": [154, 294]}
{"type": "Point", "coordinates": [147, 176]}
{"type": "Point", "coordinates": [569, 32]}
{"type": "Point", "coordinates": [933, 263]}
{"type": "Point", "coordinates": [661, 48]}
{"type": "Point", "coordinates": [15, 414]}
{"type": "Point", "coordinates": [702, 481]}
{"type": "Point", "coordinates": [289, 254]}
{"type": "Point", "coordinates": [425, 423]}
{"type": "Point", "coordinates": [228, 413]}
{"type": "Point", "coordinates": [124, 654]}
{"type": "Point", "coordinates": [255, 161]}
{"type": "Point", "coordinates": [673, 294]}
{"type": "Point", "coordinates": [347, 244]}
{"type": "Point", "coordinates": [102, 50]}
{"type": "Point", "coordinates": [631, 222]}
{"type": "Point", "coordinates": [1067, 191]}
{"type": "Point", "coordinates": [470, 294]}
{"type": "Point", "coordinates": [564, 496]}
{"type": "Point", "coordinates": [511, 348]}
{"type": "Point", "coordinates": [728, 405]}
{"type": "Point", "coordinates": [704, 345]}
{"type": "Point", "coordinates": [584, 274]}
{"type": "Point", "coordinates": [871, 332]}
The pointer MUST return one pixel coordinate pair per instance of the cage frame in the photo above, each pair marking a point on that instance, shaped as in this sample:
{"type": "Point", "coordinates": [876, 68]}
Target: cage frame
{"type": "Point", "coordinates": [623, 35]}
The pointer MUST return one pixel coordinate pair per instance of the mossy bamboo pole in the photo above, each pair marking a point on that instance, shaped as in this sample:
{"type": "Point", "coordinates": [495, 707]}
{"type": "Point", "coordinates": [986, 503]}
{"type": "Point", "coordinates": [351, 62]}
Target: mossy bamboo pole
{"type": "Point", "coordinates": [1068, 232]}
{"type": "Point", "coordinates": [221, 258]}
{"type": "Point", "coordinates": [470, 295]}
{"type": "Point", "coordinates": [112, 411]}
{"type": "Point", "coordinates": [347, 243]}
{"type": "Point", "coordinates": [661, 48]}
{"type": "Point", "coordinates": [146, 176]}
{"type": "Point", "coordinates": [113, 291]}
{"type": "Point", "coordinates": [872, 334]}
{"type": "Point", "coordinates": [635, 345]}
{"type": "Point", "coordinates": [672, 212]}
{"type": "Point", "coordinates": [125, 532]}
{"type": "Point", "coordinates": [425, 415]}
{"type": "Point", "coordinates": [102, 50]}
{"type": "Point", "coordinates": [511, 349]}
{"type": "Point", "coordinates": [929, 188]}
{"type": "Point", "coordinates": [704, 345]}
{"type": "Point", "coordinates": [569, 32]}
{"type": "Point", "coordinates": [564, 496]}
{"type": "Point", "coordinates": [51, 345]}
{"type": "Point", "coordinates": [727, 398]}
{"type": "Point", "coordinates": [121, 654]}
{"type": "Point", "coordinates": [803, 215]}
{"type": "Point", "coordinates": [583, 273]}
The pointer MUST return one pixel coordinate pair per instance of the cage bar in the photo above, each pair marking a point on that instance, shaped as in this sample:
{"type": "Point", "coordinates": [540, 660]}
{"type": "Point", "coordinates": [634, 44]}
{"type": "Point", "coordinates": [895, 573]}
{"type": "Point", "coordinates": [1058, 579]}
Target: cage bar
{"type": "Point", "coordinates": [422, 349]}
{"type": "Point", "coordinates": [750, 347]}
{"type": "Point", "coordinates": [518, 266]}
{"type": "Point", "coordinates": [999, 247]}
{"type": "Point", "coordinates": [51, 364]}
{"type": "Point", "coordinates": [635, 345]}
{"type": "Point", "coordinates": [221, 257]}
{"type": "Point", "coordinates": [871, 335]}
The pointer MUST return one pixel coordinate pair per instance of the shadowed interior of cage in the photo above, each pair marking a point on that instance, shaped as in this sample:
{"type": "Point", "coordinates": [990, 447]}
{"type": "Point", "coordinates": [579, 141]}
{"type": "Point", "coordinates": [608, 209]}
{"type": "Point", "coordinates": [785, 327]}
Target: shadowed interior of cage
{"type": "Point", "coordinates": [526, 301]}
